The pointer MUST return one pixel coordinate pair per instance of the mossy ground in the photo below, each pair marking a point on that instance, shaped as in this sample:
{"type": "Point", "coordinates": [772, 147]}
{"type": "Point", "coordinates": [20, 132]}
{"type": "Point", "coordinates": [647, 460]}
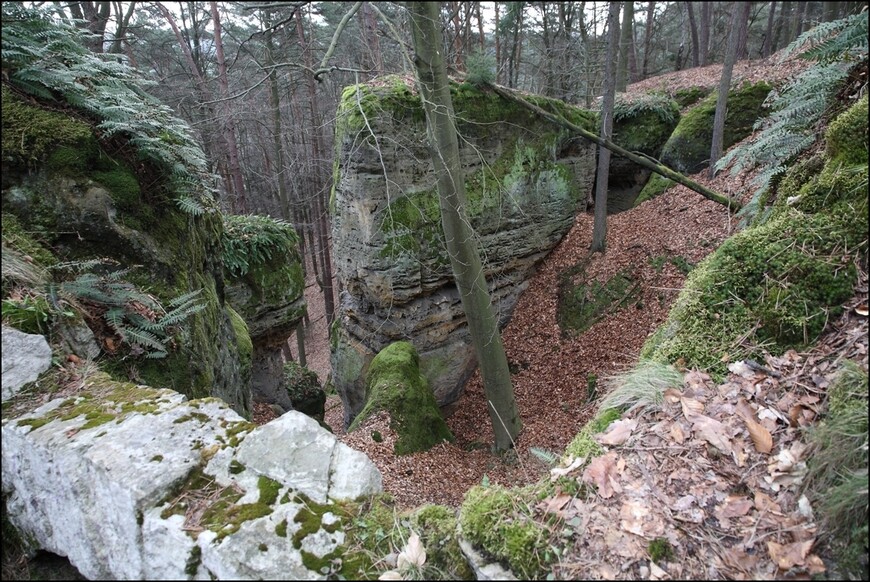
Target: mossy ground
{"type": "Point", "coordinates": [500, 521]}
{"type": "Point", "coordinates": [394, 384]}
{"type": "Point", "coordinates": [581, 303]}
{"type": "Point", "coordinates": [304, 390]}
{"type": "Point", "coordinates": [837, 470]}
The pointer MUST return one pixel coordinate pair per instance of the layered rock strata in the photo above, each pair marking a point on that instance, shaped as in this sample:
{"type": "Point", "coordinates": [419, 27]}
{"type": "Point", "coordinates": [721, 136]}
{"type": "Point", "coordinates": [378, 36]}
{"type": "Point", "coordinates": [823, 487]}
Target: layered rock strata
{"type": "Point", "coordinates": [525, 181]}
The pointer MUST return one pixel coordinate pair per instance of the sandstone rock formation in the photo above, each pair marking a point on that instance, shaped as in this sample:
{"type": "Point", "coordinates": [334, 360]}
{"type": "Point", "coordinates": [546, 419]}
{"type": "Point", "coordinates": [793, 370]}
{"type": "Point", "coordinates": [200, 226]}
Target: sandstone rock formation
{"type": "Point", "coordinates": [525, 181]}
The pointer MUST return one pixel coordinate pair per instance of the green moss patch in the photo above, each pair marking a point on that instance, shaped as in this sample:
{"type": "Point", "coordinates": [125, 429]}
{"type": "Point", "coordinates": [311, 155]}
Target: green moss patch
{"type": "Point", "coordinates": [657, 184]}
{"type": "Point", "coordinates": [436, 526]}
{"type": "Point", "coordinates": [691, 95]}
{"type": "Point", "coordinates": [500, 522]}
{"type": "Point", "coordinates": [688, 148]}
{"type": "Point", "coordinates": [104, 400]}
{"type": "Point", "coordinates": [837, 470]}
{"type": "Point", "coordinates": [394, 384]}
{"type": "Point", "coordinates": [304, 390]}
{"type": "Point", "coordinates": [582, 303]}
{"type": "Point", "coordinates": [583, 445]}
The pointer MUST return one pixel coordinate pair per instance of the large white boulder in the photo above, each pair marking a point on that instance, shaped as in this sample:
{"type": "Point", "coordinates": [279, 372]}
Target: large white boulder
{"type": "Point", "coordinates": [131, 482]}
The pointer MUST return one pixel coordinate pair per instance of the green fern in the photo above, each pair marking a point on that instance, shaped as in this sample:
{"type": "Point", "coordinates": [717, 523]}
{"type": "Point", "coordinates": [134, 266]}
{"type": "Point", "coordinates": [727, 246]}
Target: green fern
{"type": "Point", "coordinates": [251, 240]}
{"type": "Point", "coordinates": [544, 455]}
{"type": "Point", "coordinates": [98, 290]}
{"type": "Point", "coordinates": [844, 39]}
{"type": "Point", "coordinates": [798, 108]}
{"type": "Point", "coordinates": [48, 59]}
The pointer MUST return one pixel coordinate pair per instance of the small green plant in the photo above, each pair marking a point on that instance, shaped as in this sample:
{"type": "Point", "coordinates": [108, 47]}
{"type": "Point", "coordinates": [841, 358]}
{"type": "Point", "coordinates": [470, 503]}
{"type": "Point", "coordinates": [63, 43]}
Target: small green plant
{"type": "Point", "coordinates": [591, 387]}
{"type": "Point", "coordinates": [481, 68]}
{"type": "Point", "coordinates": [660, 550]}
{"type": "Point", "coordinates": [547, 457]}
{"type": "Point", "coordinates": [251, 240]}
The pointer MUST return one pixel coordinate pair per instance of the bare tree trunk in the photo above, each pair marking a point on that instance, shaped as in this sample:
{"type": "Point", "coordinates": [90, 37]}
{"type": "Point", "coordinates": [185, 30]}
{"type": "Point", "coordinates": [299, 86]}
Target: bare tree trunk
{"type": "Point", "coordinates": [704, 34]}
{"type": "Point", "coordinates": [480, 26]}
{"type": "Point", "coordinates": [464, 255]}
{"type": "Point", "coordinates": [647, 35]}
{"type": "Point", "coordinates": [768, 34]}
{"type": "Point", "coordinates": [599, 228]}
{"type": "Point", "coordinates": [693, 27]}
{"type": "Point", "coordinates": [123, 24]}
{"type": "Point", "coordinates": [743, 35]}
{"type": "Point", "coordinates": [779, 26]}
{"type": "Point", "coordinates": [235, 168]}
{"type": "Point", "coordinates": [740, 14]}
{"type": "Point", "coordinates": [498, 63]}
{"type": "Point", "coordinates": [373, 45]}
{"type": "Point", "coordinates": [626, 46]}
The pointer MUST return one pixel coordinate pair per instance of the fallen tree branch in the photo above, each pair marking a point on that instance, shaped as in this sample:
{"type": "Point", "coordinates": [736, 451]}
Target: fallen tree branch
{"type": "Point", "coordinates": [730, 203]}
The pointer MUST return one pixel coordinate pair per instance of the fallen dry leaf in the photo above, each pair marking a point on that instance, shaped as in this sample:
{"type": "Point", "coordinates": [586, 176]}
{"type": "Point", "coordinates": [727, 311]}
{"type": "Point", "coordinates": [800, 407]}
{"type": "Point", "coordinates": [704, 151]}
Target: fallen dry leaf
{"type": "Point", "coordinates": [761, 437]}
{"type": "Point", "coordinates": [601, 472]}
{"type": "Point", "coordinates": [712, 431]}
{"type": "Point", "coordinates": [618, 432]}
{"type": "Point", "coordinates": [734, 506]}
{"type": "Point", "coordinates": [787, 556]}
{"type": "Point", "coordinates": [691, 407]}
{"type": "Point", "coordinates": [677, 433]}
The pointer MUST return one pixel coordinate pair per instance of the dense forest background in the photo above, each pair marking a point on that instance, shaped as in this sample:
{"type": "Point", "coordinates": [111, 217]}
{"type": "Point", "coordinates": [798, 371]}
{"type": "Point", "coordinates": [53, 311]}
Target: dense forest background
{"type": "Point", "coordinates": [260, 82]}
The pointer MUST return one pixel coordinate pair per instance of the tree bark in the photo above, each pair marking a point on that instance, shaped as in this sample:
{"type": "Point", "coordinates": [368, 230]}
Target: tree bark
{"type": "Point", "coordinates": [461, 247]}
{"type": "Point", "coordinates": [693, 28]}
{"type": "Point", "coordinates": [704, 34]}
{"type": "Point", "coordinates": [599, 228]}
{"type": "Point", "coordinates": [639, 159]}
{"type": "Point", "coordinates": [740, 12]}
{"type": "Point", "coordinates": [647, 35]}
{"type": "Point", "coordinates": [768, 34]}
{"type": "Point", "coordinates": [626, 46]}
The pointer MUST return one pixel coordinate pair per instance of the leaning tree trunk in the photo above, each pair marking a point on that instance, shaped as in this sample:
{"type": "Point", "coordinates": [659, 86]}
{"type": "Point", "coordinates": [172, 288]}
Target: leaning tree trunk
{"type": "Point", "coordinates": [639, 159]}
{"type": "Point", "coordinates": [461, 247]}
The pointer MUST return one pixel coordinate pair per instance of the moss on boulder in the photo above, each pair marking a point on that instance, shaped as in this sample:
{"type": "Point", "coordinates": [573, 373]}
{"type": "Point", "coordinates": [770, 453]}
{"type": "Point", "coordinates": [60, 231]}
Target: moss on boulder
{"type": "Point", "coordinates": [304, 390]}
{"type": "Point", "coordinates": [500, 522]}
{"type": "Point", "coordinates": [688, 149]}
{"type": "Point", "coordinates": [394, 384]}
{"type": "Point", "coordinates": [657, 184]}
{"type": "Point", "coordinates": [785, 278]}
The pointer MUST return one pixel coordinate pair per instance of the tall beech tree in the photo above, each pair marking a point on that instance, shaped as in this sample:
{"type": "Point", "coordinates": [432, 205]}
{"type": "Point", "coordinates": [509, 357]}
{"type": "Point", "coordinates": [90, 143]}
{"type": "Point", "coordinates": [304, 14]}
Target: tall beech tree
{"type": "Point", "coordinates": [739, 13]}
{"type": "Point", "coordinates": [460, 240]}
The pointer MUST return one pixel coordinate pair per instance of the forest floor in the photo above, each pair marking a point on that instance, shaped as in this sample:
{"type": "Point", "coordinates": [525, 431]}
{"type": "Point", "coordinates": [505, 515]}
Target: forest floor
{"type": "Point", "coordinates": [732, 514]}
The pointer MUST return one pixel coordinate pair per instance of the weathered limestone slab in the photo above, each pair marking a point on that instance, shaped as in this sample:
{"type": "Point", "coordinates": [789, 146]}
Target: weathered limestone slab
{"type": "Point", "coordinates": [525, 181]}
{"type": "Point", "coordinates": [25, 357]}
{"type": "Point", "coordinates": [106, 478]}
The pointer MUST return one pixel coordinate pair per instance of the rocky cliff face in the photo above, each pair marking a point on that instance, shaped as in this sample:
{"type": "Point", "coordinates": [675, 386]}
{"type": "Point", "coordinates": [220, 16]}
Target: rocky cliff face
{"type": "Point", "coordinates": [525, 180]}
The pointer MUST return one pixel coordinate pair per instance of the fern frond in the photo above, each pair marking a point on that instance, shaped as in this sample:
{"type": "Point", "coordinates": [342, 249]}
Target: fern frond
{"type": "Point", "coordinates": [544, 455]}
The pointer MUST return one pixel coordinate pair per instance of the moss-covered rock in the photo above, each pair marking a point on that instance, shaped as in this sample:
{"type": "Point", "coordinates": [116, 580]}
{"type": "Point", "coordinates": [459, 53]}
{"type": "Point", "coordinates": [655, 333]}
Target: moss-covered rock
{"type": "Point", "coordinates": [264, 275]}
{"type": "Point", "coordinates": [690, 95]}
{"type": "Point", "coordinates": [303, 387]}
{"type": "Point", "coordinates": [500, 522]}
{"type": "Point", "coordinates": [785, 278]}
{"type": "Point", "coordinates": [82, 196]}
{"type": "Point", "coordinates": [657, 184]}
{"type": "Point", "coordinates": [436, 526]}
{"type": "Point", "coordinates": [395, 385]}
{"type": "Point", "coordinates": [584, 445]}
{"type": "Point", "coordinates": [525, 180]}
{"type": "Point", "coordinates": [688, 149]}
